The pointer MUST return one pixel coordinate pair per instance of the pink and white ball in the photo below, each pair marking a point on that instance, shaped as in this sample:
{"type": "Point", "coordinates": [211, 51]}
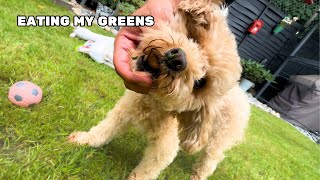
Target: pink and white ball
{"type": "Point", "coordinates": [25, 94]}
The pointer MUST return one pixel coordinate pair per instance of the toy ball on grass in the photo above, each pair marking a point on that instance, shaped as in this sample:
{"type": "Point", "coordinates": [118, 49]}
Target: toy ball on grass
{"type": "Point", "coordinates": [25, 94]}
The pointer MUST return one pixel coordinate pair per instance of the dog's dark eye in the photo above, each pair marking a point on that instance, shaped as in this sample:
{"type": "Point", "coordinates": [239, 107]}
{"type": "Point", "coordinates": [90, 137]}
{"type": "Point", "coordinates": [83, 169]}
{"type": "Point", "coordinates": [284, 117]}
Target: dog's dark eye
{"type": "Point", "coordinates": [199, 83]}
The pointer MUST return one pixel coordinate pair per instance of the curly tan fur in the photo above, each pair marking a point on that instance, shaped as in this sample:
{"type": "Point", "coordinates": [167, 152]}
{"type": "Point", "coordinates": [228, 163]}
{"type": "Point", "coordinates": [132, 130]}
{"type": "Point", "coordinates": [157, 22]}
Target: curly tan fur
{"type": "Point", "coordinates": [175, 114]}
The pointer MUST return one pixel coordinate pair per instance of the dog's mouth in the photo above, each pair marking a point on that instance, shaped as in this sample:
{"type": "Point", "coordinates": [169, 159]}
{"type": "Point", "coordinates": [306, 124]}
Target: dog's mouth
{"type": "Point", "coordinates": [147, 65]}
{"type": "Point", "coordinates": [174, 60]}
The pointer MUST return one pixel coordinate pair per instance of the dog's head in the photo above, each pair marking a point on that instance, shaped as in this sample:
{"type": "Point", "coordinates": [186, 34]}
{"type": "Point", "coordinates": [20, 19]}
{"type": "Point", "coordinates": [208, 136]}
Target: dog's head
{"type": "Point", "coordinates": [177, 64]}
{"type": "Point", "coordinates": [186, 70]}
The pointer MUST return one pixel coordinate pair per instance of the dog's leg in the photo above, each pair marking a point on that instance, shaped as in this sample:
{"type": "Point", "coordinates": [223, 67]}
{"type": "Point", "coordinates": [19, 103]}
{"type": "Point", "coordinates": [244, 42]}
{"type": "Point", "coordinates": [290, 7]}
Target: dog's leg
{"type": "Point", "coordinates": [162, 149]}
{"type": "Point", "coordinates": [208, 161]}
{"type": "Point", "coordinates": [212, 155]}
{"type": "Point", "coordinates": [234, 122]}
{"type": "Point", "coordinates": [115, 122]}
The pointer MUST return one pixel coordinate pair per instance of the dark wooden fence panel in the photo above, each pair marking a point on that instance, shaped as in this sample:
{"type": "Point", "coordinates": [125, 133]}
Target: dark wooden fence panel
{"type": "Point", "coordinates": [272, 49]}
{"type": "Point", "coordinates": [265, 44]}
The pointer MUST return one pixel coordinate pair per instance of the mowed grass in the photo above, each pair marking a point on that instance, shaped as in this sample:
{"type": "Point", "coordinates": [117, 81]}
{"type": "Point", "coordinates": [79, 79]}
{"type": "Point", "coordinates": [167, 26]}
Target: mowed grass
{"type": "Point", "coordinates": [77, 95]}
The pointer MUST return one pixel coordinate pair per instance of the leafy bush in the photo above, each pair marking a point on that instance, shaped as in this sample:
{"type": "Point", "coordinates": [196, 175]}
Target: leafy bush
{"type": "Point", "coordinates": [126, 7]}
{"type": "Point", "coordinates": [136, 3]}
{"type": "Point", "coordinates": [255, 72]}
{"type": "Point", "coordinates": [296, 8]}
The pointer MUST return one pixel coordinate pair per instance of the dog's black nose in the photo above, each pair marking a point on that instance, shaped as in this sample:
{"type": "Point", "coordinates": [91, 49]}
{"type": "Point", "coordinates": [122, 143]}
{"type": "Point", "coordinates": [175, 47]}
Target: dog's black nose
{"type": "Point", "coordinates": [176, 59]}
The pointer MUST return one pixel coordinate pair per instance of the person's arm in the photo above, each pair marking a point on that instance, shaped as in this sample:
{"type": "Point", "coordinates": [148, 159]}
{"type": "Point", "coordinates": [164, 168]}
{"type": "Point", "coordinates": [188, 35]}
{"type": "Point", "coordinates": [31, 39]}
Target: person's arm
{"type": "Point", "coordinates": [127, 39]}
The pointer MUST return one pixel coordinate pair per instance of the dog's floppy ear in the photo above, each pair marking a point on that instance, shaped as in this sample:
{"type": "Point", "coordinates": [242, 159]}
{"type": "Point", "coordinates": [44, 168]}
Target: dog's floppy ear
{"type": "Point", "coordinates": [195, 128]}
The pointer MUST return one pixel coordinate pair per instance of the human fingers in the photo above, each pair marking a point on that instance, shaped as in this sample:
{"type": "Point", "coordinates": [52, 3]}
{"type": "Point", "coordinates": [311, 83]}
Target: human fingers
{"type": "Point", "coordinates": [137, 88]}
{"type": "Point", "coordinates": [123, 43]}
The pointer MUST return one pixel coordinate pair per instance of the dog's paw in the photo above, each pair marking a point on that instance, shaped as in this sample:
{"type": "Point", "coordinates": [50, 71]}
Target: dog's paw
{"type": "Point", "coordinates": [135, 176]}
{"type": "Point", "coordinates": [195, 177]}
{"type": "Point", "coordinates": [132, 176]}
{"type": "Point", "coordinates": [81, 138]}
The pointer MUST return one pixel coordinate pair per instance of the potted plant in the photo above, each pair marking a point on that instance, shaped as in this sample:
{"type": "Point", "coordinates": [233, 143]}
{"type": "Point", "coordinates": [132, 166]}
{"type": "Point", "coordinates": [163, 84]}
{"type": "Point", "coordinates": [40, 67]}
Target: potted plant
{"type": "Point", "coordinates": [253, 72]}
{"type": "Point", "coordinates": [284, 22]}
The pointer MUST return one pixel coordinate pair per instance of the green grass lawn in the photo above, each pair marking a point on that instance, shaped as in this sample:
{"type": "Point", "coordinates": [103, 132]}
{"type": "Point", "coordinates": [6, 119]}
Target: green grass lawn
{"type": "Point", "coordinates": [77, 95]}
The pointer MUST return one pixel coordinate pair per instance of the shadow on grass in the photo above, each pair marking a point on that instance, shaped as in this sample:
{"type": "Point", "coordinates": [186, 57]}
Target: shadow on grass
{"type": "Point", "coordinates": [126, 151]}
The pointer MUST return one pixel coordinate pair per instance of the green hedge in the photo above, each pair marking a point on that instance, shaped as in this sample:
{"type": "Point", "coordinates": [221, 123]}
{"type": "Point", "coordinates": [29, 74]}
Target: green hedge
{"type": "Point", "coordinates": [296, 8]}
{"type": "Point", "coordinates": [126, 7]}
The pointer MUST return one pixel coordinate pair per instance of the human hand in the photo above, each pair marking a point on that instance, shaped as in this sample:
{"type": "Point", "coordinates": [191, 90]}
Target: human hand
{"type": "Point", "coordinates": [127, 39]}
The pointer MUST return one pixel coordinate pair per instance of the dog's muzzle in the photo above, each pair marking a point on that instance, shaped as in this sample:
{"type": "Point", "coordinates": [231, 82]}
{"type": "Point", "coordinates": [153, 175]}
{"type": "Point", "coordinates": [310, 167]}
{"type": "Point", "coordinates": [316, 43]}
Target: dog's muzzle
{"type": "Point", "coordinates": [174, 60]}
